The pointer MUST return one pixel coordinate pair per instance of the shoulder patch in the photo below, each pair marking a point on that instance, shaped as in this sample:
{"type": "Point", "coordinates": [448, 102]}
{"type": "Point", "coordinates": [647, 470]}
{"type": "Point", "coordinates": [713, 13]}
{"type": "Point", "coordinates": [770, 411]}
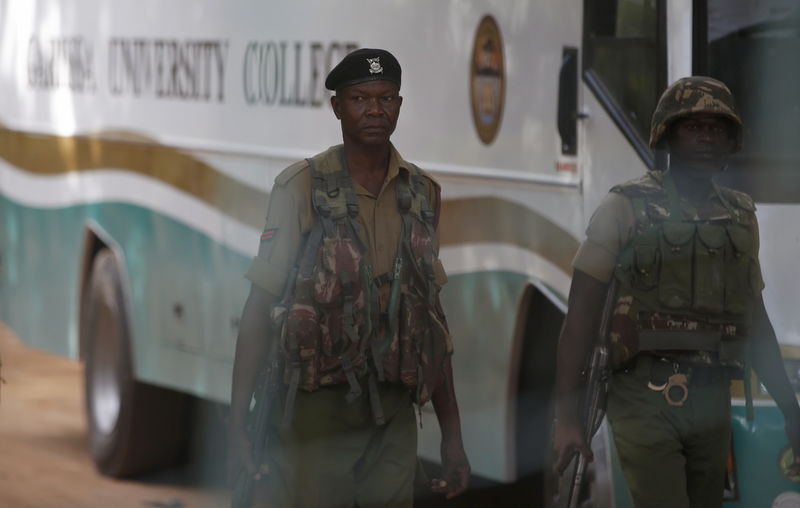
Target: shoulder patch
{"type": "Point", "coordinates": [292, 171]}
{"type": "Point", "coordinates": [738, 199]}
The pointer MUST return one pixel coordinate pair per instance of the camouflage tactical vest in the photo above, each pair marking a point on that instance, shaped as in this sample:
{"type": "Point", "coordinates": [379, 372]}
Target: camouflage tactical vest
{"type": "Point", "coordinates": [335, 331]}
{"type": "Point", "coordinates": [688, 277]}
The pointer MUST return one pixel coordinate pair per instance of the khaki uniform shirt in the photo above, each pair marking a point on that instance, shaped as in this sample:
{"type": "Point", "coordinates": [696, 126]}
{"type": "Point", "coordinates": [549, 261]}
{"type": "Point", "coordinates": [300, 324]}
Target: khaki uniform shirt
{"type": "Point", "coordinates": [290, 214]}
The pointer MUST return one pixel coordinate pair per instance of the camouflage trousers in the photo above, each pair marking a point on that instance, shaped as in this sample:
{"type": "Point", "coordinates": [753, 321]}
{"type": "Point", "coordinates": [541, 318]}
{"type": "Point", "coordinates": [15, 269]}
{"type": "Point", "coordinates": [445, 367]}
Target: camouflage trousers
{"type": "Point", "coordinates": [672, 457]}
{"type": "Point", "coordinates": [335, 456]}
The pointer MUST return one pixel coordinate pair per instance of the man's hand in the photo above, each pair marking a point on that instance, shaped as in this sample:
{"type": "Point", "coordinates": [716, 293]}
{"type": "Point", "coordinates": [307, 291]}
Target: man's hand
{"type": "Point", "coordinates": [568, 438]}
{"type": "Point", "coordinates": [455, 470]}
{"type": "Point", "coordinates": [251, 348]}
{"type": "Point", "coordinates": [793, 434]}
{"type": "Point", "coordinates": [768, 364]}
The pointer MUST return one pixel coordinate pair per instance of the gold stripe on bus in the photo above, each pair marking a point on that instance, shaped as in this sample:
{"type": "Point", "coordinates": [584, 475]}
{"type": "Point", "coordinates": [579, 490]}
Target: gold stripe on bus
{"type": "Point", "coordinates": [52, 155]}
{"type": "Point", "coordinates": [495, 220]}
{"type": "Point", "coordinates": [466, 220]}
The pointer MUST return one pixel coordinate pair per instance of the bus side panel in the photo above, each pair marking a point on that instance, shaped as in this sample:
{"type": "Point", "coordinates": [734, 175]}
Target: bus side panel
{"type": "Point", "coordinates": [480, 310]}
{"type": "Point", "coordinates": [186, 291]}
{"type": "Point", "coordinates": [38, 273]}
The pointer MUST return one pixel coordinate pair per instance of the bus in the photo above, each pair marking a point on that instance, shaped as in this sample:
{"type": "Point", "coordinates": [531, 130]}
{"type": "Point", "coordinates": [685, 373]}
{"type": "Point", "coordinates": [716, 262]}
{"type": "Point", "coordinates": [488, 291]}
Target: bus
{"type": "Point", "coordinates": [139, 142]}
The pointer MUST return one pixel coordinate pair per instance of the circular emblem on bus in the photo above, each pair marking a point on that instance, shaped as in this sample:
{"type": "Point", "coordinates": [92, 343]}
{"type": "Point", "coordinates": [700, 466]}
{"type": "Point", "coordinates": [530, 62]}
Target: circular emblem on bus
{"type": "Point", "coordinates": [487, 79]}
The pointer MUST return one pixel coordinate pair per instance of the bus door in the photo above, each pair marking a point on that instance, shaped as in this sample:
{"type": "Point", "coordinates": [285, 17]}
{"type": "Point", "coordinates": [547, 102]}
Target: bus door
{"type": "Point", "coordinates": [622, 70]}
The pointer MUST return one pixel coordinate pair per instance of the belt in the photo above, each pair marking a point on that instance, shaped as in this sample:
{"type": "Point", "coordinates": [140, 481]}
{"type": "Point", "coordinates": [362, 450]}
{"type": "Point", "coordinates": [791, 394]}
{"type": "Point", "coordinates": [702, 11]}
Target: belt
{"type": "Point", "coordinates": [658, 369]}
{"type": "Point", "coordinates": [674, 379]}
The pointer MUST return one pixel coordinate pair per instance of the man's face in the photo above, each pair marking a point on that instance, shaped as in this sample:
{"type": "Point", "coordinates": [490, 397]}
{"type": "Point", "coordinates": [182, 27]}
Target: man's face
{"type": "Point", "coordinates": [368, 111]}
{"type": "Point", "coordinates": [702, 139]}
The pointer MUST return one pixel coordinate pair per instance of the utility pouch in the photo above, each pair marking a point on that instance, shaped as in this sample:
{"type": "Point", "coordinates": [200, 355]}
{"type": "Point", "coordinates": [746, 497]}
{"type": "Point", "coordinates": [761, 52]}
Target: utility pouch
{"type": "Point", "coordinates": [644, 261]}
{"type": "Point", "coordinates": [422, 346]}
{"type": "Point", "coordinates": [338, 254]}
{"type": "Point", "coordinates": [303, 336]}
{"type": "Point", "coordinates": [331, 336]}
{"type": "Point", "coordinates": [709, 269]}
{"type": "Point", "coordinates": [402, 366]}
{"type": "Point", "coordinates": [739, 286]}
{"type": "Point", "coordinates": [675, 277]}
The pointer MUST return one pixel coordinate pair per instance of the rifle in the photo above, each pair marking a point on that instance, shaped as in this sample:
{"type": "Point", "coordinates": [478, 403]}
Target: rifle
{"type": "Point", "coordinates": [593, 409]}
{"type": "Point", "coordinates": [268, 383]}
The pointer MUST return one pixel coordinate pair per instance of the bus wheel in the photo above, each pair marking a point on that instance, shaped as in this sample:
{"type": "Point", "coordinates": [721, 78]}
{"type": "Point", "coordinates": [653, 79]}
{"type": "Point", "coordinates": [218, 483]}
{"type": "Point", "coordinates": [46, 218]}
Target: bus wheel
{"type": "Point", "coordinates": [133, 427]}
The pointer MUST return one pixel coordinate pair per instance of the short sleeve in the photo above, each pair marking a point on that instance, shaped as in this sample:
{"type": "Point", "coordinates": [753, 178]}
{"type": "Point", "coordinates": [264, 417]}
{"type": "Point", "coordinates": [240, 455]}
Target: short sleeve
{"type": "Point", "coordinates": [278, 243]}
{"type": "Point", "coordinates": [610, 229]}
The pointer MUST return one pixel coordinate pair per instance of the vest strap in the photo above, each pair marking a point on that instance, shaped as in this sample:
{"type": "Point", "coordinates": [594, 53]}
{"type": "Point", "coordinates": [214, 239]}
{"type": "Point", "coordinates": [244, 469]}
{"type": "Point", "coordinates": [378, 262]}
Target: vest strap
{"type": "Point", "coordinates": [377, 360]}
{"type": "Point", "coordinates": [675, 213]}
{"type": "Point", "coordinates": [355, 388]}
{"type": "Point", "coordinates": [348, 317]}
{"type": "Point", "coordinates": [375, 401]}
{"type": "Point", "coordinates": [735, 215]}
{"type": "Point", "coordinates": [309, 258]}
{"type": "Point", "coordinates": [640, 213]}
{"type": "Point", "coordinates": [371, 297]}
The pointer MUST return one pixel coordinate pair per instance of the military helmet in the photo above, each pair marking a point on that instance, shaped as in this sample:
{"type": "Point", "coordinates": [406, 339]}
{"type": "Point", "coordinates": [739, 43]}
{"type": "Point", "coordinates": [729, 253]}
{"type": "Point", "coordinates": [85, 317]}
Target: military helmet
{"type": "Point", "coordinates": [695, 94]}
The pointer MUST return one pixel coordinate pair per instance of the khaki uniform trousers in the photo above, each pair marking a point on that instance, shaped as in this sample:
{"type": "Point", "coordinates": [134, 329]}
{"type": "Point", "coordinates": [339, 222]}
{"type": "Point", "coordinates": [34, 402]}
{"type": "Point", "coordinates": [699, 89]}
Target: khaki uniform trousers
{"type": "Point", "coordinates": [335, 456]}
{"type": "Point", "coordinates": [672, 457]}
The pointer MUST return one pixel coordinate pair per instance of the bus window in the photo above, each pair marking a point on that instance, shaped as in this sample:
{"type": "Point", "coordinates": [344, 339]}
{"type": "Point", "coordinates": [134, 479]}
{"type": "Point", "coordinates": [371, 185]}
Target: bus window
{"type": "Point", "coordinates": [753, 47]}
{"type": "Point", "coordinates": [623, 59]}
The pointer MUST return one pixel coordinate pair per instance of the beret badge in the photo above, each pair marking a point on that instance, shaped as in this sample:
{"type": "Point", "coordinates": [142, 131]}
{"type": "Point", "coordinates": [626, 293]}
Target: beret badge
{"type": "Point", "coordinates": [375, 65]}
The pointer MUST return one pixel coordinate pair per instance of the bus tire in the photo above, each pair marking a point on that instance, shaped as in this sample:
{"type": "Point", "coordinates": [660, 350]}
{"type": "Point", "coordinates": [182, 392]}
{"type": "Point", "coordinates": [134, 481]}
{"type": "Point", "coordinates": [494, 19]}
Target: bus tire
{"type": "Point", "coordinates": [133, 427]}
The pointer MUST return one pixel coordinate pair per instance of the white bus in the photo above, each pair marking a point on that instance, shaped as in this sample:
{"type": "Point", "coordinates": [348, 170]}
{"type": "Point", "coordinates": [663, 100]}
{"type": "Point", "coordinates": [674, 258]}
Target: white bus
{"type": "Point", "coordinates": [139, 142]}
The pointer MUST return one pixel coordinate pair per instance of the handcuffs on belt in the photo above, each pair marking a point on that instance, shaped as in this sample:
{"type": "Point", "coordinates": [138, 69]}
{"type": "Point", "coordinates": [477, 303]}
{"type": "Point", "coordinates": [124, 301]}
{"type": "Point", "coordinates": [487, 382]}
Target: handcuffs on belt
{"type": "Point", "coordinates": [677, 380]}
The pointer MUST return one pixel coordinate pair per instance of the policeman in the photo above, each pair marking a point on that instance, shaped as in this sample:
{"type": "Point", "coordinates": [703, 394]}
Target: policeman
{"type": "Point", "coordinates": [366, 337]}
{"type": "Point", "coordinates": [688, 313]}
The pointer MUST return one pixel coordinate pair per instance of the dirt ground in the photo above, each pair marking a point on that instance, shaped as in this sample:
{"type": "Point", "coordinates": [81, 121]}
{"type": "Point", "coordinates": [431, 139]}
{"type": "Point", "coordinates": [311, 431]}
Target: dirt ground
{"type": "Point", "coordinates": [44, 461]}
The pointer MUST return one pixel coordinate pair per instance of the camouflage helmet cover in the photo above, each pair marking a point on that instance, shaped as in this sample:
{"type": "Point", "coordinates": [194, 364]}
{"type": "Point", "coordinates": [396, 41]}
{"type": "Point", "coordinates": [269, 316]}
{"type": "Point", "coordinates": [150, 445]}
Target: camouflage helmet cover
{"type": "Point", "coordinates": [695, 94]}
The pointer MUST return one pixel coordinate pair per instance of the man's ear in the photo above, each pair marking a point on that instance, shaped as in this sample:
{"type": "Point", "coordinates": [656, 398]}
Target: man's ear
{"type": "Point", "coordinates": [335, 106]}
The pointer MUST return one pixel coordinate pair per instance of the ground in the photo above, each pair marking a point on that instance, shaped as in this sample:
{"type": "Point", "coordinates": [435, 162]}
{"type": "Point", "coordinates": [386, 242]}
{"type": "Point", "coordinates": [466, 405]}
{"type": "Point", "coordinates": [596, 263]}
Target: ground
{"type": "Point", "coordinates": [45, 463]}
{"type": "Point", "coordinates": [44, 460]}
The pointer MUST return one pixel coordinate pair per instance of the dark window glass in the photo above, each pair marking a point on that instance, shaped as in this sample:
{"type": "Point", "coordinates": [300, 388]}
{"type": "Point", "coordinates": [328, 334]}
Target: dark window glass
{"type": "Point", "coordinates": [621, 49]}
{"type": "Point", "coordinates": [754, 47]}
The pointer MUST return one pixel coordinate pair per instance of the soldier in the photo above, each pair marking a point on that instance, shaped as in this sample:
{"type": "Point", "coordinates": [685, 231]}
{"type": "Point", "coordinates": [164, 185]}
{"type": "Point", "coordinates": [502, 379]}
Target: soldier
{"type": "Point", "coordinates": [688, 314]}
{"type": "Point", "coordinates": [366, 336]}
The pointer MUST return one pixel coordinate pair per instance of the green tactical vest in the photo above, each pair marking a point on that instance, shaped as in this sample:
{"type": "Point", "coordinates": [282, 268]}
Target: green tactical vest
{"type": "Point", "coordinates": [335, 331]}
{"type": "Point", "coordinates": [688, 277]}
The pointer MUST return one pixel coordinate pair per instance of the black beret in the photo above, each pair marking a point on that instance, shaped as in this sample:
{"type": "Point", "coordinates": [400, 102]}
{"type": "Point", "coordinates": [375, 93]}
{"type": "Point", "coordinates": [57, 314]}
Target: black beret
{"type": "Point", "coordinates": [364, 65]}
